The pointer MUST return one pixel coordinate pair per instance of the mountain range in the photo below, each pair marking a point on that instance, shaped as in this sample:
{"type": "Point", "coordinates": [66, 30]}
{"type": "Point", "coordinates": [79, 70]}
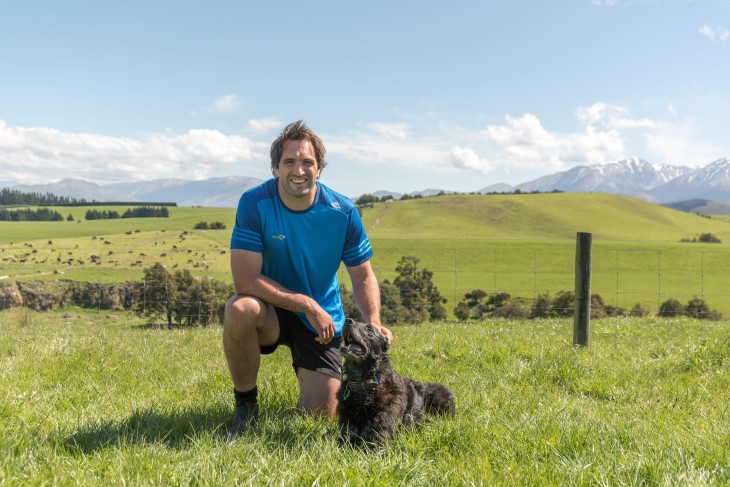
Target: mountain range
{"type": "Point", "coordinates": [223, 192]}
{"type": "Point", "coordinates": [657, 183]}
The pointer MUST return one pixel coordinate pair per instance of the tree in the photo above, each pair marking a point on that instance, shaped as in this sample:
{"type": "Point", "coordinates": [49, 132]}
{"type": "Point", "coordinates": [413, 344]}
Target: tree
{"type": "Point", "coordinates": [709, 238]}
{"type": "Point", "coordinates": [348, 304]}
{"type": "Point", "coordinates": [367, 199]}
{"type": "Point", "coordinates": [391, 305]}
{"type": "Point", "coordinates": [159, 291]}
{"type": "Point", "coordinates": [418, 293]}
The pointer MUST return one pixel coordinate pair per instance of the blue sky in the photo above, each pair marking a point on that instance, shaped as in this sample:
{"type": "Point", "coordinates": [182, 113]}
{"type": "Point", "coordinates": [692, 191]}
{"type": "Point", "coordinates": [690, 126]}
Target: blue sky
{"type": "Point", "coordinates": [407, 95]}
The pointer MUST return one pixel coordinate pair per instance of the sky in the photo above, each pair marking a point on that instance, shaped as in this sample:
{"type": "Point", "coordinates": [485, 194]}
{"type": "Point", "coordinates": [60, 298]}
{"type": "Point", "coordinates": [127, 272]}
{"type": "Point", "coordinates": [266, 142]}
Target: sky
{"type": "Point", "coordinates": [406, 95]}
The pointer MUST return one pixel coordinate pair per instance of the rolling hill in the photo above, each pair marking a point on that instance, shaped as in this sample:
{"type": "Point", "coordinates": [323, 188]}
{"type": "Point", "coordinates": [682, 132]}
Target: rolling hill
{"type": "Point", "coordinates": [536, 216]}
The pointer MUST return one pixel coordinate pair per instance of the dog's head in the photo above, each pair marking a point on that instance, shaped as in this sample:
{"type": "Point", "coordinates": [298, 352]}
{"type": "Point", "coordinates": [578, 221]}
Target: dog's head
{"type": "Point", "coordinates": [362, 342]}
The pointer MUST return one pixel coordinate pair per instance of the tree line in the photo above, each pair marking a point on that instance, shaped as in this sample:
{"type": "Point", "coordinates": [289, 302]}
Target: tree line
{"type": "Point", "coordinates": [141, 212]}
{"type": "Point", "coordinates": [30, 215]}
{"type": "Point", "coordinates": [14, 197]}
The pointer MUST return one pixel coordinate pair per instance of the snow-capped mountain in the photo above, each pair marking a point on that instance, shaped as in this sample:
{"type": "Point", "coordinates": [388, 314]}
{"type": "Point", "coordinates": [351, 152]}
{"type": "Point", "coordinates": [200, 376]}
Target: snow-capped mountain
{"type": "Point", "coordinates": [658, 183]}
{"type": "Point", "coordinates": [711, 182]}
{"type": "Point", "coordinates": [633, 176]}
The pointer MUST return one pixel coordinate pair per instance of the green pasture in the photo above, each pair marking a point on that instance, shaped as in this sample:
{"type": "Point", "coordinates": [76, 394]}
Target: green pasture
{"type": "Point", "coordinates": [520, 244]}
{"type": "Point", "coordinates": [181, 218]}
{"type": "Point", "coordinates": [97, 399]}
{"type": "Point", "coordinates": [537, 216]}
{"type": "Point", "coordinates": [624, 273]}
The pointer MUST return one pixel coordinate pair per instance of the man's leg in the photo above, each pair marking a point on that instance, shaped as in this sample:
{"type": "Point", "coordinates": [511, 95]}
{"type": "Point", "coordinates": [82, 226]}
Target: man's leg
{"type": "Point", "coordinates": [248, 324]}
{"type": "Point", "coordinates": [317, 392]}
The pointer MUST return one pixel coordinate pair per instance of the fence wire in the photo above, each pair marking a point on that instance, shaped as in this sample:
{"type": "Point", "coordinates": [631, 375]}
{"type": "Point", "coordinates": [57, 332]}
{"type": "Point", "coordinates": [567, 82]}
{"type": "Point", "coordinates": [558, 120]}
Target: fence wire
{"type": "Point", "coordinates": [625, 274]}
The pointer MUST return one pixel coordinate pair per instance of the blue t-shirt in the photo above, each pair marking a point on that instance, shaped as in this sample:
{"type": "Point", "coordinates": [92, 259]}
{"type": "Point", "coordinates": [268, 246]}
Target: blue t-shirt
{"type": "Point", "coordinates": [302, 250]}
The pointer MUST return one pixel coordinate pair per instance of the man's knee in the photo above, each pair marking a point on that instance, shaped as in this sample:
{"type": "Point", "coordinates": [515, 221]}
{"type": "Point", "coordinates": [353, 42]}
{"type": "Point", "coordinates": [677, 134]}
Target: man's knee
{"type": "Point", "coordinates": [248, 314]}
{"type": "Point", "coordinates": [244, 309]}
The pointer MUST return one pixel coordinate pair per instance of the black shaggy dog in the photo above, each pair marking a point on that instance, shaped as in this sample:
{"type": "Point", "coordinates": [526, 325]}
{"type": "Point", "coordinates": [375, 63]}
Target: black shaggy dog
{"type": "Point", "coordinates": [373, 398]}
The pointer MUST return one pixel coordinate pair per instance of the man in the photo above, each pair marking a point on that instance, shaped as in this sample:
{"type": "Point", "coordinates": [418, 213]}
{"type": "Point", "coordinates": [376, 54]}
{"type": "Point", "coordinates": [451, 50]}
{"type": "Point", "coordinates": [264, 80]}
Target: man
{"type": "Point", "coordinates": [290, 236]}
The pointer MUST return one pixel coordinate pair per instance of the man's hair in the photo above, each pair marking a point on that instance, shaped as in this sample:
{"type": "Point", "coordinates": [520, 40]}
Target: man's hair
{"type": "Point", "coordinates": [297, 131]}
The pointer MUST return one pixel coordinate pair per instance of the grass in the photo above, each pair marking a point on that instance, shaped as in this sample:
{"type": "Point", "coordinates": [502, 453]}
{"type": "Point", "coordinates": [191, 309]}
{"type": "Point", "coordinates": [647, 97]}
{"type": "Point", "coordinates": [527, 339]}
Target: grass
{"type": "Point", "coordinates": [537, 216]}
{"type": "Point", "coordinates": [94, 399]}
{"type": "Point", "coordinates": [520, 244]}
{"type": "Point", "coordinates": [181, 218]}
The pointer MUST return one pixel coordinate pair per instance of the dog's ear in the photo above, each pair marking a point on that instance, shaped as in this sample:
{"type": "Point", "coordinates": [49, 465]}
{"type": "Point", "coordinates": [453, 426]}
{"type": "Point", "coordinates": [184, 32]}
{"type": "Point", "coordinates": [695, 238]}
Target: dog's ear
{"type": "Point", "coordinates": [383, 341]}
{"type": "Point", "coordinates": [386, 343]}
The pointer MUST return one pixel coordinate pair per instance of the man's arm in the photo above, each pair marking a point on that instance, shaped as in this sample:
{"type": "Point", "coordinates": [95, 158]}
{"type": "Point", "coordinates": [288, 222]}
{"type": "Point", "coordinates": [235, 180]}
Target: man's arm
{"type": "Point", "coordinates": [366, 293]}
{"type": "Point", "coordinates": [248, 281]}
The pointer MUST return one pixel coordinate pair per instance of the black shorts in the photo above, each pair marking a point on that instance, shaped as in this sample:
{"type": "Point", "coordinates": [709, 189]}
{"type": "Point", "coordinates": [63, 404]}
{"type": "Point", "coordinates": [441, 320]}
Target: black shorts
{"type": "Point", "coordinates": [305, 351]}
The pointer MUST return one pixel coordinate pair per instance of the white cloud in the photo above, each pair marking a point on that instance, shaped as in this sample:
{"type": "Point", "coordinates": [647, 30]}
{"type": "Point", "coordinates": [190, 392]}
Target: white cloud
{"type": "Point", "coordinates": [39, 154]}
{"type": "Point", "coordinates": [386, 144]}
{"type": "Point", "coordinates": [715, 33]}
{"type": "Point", "coordinates": [391, 131]}
{"type": "Point", "coordinates": [466, 158]}
{"type": "Point", "coordinates": [611, 117]}
{"type": "Point", "coordinates": [265, 125]}
{"type": "Point", "coordinates": [523, 142]}
{"type": "Point", "coordinates": [226, 103]}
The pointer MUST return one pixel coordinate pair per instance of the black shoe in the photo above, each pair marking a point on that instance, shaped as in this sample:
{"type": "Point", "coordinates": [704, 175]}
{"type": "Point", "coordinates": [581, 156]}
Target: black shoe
{"type": "Point", "coordinates": [246, 415]}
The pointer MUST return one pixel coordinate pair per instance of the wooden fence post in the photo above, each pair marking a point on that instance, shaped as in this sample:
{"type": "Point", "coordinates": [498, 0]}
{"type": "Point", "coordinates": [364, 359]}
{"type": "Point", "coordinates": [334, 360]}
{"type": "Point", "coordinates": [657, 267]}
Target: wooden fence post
{"type": "Point", "coordinates": [582, 310]}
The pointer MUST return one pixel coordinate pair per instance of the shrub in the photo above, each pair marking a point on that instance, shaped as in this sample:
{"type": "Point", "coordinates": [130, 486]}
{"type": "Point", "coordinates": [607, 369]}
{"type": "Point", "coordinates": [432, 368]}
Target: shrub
{"type": "Point", "coordinates": [598, 307]}
{"type": "Point", "coordinates": [708, 238]}
{"type": "Point", "coordinates": [541, 308]}
{"type": "Point", "coordinates": [698, 308]}
{"type": "Point", "coordinates": [670, 308]}
{"type": "Point", "coordinates": [512, 310]}
{"type": "Point", "coordinates": [638, 311]}
{"type": "Point", "coordinates": [461, 311]}
{"type": "Point", "coordinates": [209, 226]}
{"type": "Point", "coordinates": [564, 304]}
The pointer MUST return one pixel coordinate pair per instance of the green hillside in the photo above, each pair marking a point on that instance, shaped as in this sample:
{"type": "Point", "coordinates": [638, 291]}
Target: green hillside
{"type": "Point", "coordinates": [536, 216]}
{"type": "Point", "coordinates": [520, 244]}
{"type": "Point", "coordinates": [181, 218]}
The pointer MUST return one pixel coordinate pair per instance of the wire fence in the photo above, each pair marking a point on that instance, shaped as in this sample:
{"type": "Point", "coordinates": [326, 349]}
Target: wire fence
{"type": "Point", "coordinates": [108, 276]}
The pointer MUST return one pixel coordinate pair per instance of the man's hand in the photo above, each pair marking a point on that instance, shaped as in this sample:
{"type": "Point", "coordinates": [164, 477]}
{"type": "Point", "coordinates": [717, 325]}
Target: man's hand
{"type": "Point", "coordinates": [322, 322]}
{"type": "Point", "coordinates": [386, 333]}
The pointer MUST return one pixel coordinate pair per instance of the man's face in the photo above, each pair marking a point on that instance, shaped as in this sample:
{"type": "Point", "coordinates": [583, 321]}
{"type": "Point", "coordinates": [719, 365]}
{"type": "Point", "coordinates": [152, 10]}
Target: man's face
{"type": "Point", "coordinates": [298, 173]}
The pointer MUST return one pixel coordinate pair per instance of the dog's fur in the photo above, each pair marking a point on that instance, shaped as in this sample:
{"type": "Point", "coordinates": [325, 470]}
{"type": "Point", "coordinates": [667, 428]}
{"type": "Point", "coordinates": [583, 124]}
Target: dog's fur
{"type": "Point", "coordinates": [374, 399]}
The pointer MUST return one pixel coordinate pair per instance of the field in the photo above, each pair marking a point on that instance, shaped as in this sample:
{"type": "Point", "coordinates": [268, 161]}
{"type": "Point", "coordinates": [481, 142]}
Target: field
{"type": "Point", "coordinates": [520, 244]}
{"type": "Point", "coordinates": [98, 397]}
{"type": "Point", "coordinates": [99, 400]}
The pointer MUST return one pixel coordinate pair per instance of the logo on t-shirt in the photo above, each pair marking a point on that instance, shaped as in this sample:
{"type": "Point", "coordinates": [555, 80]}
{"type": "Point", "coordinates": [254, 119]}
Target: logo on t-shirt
{"type": "Point", "coordinates": [279, 237]}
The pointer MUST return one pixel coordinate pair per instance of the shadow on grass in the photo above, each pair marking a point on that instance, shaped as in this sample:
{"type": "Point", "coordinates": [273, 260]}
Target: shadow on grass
{"type": "Point", "coordinates": [175, 429]}
{"type": "Point", "coordinates": [184, 428]}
